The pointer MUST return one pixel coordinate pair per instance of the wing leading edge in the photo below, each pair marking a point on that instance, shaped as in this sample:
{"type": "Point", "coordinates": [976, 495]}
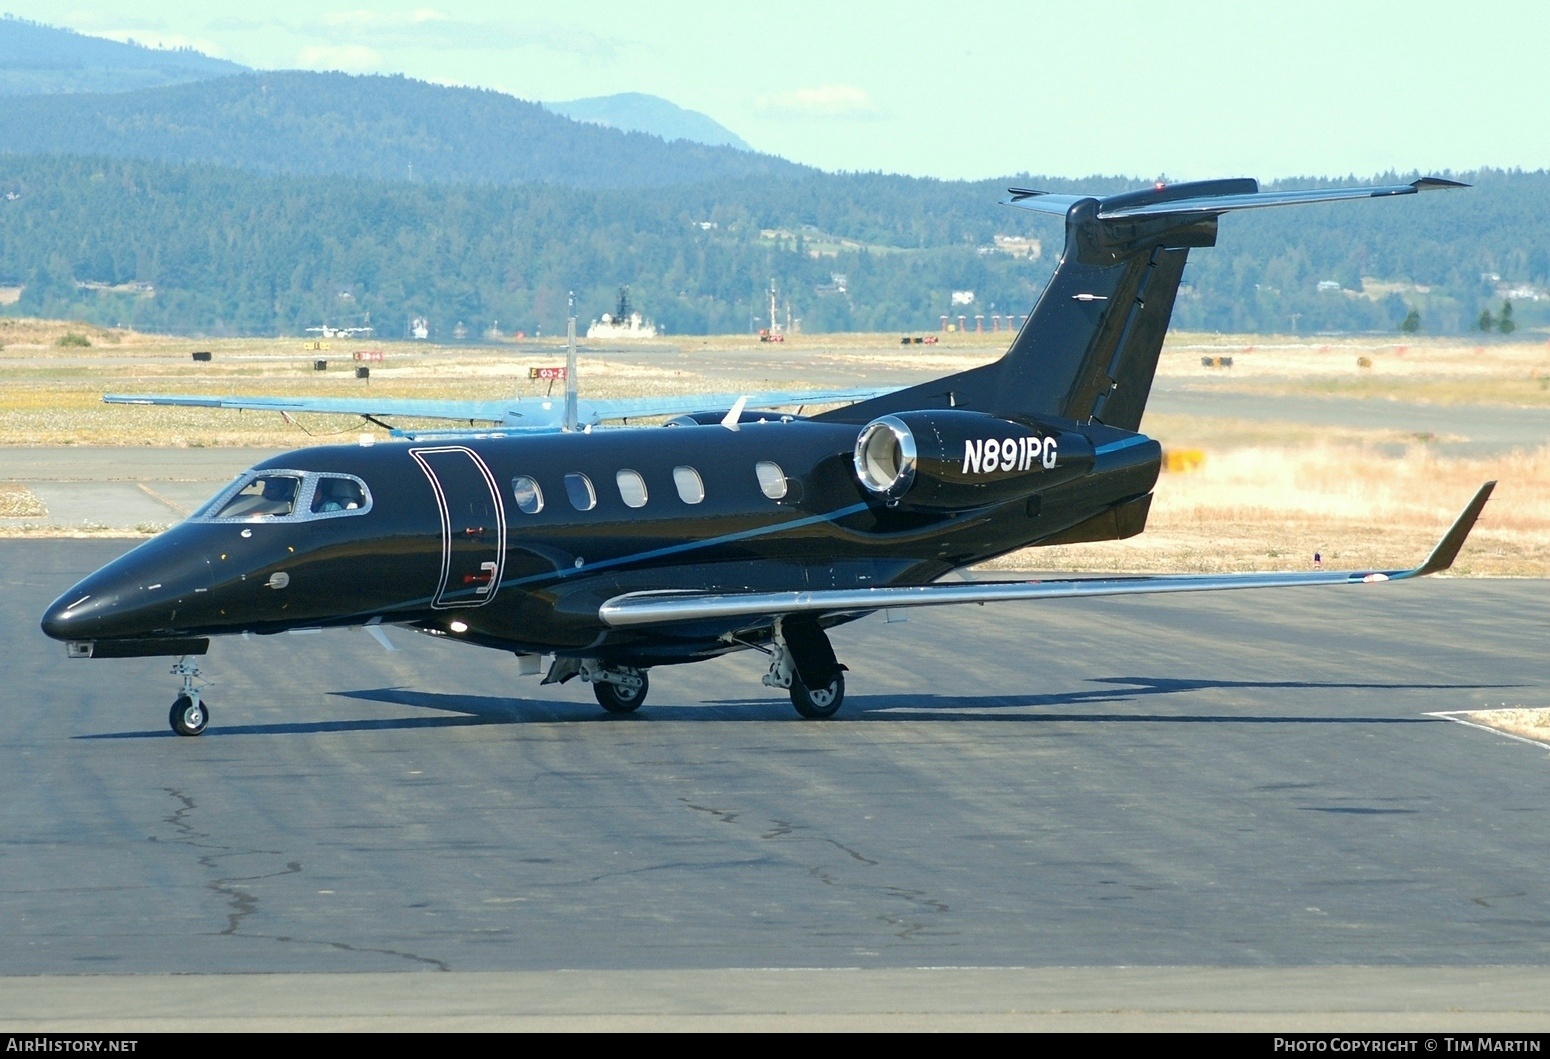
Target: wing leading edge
{"type": "Point", "coordinates": [536, 414]}
{"type": "Point", "coordinates": [654, 608]}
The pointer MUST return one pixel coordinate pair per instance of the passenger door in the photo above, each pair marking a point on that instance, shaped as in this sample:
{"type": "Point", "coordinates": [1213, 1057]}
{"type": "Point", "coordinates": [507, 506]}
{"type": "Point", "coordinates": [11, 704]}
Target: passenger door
{"type": "Point", "coordinates": [473, 525]}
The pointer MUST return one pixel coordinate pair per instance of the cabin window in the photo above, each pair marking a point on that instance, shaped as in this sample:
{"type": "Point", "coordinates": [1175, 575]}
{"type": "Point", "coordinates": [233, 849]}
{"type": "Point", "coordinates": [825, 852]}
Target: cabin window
{"type": "Point", "coordinates": [529, 497]}
{"type": "Point", "coordinates": [771, 479]}
{"type": "Point", "coordinates": [266, 496]}
{"type": "Point", "coordinates": [690, 489]}
{"type": "Point", "coordinates": [632, 488]}
{"type": "Point", "coordinates": [579, 488]}
{"type": "Point", "coordinates": [337, 494]}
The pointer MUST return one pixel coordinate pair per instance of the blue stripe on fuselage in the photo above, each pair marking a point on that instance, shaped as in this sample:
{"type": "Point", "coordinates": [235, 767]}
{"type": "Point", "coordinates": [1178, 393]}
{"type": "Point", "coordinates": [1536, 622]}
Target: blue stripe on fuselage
{"type": "Point", "coordinates": [677, 549]}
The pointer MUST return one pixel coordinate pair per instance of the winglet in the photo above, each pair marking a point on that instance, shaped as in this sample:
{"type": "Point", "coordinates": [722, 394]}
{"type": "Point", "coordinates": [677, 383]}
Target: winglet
{"type": "Point", "coordinates": [734, 414]}
{"type": "Point", "coordinates": [1448, 548]}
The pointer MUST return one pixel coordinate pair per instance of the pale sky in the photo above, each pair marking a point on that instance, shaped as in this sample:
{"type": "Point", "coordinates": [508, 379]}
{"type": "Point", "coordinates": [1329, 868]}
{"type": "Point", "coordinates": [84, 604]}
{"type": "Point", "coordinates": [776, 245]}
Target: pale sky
{"type": "Point", "coordinates": [964, 89]}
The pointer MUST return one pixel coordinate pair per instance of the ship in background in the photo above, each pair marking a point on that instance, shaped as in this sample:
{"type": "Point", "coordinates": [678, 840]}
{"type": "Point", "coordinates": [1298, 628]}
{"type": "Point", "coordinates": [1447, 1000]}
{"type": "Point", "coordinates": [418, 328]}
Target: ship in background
{"type": "Point", "coordinates": [623, 322]}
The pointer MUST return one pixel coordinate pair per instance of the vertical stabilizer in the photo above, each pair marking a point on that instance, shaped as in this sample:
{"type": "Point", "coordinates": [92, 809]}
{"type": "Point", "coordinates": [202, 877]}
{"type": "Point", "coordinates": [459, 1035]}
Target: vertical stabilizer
{"type": "Point", "coordinates": [1088, 352]}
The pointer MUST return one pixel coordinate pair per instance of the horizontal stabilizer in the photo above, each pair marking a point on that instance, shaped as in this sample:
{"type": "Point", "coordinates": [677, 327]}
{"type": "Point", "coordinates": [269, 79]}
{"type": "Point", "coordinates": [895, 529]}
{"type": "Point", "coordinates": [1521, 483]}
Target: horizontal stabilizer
{"type": "Point", "coordinates": [655, 608]}
{"type": "Point", "coordinates": [1210, 197]}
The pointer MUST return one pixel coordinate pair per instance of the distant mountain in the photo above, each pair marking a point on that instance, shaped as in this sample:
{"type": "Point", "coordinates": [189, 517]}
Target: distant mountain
{"type": "Point", "coordinates": [638, 112]}
{"type": "Point", "coordinates": [37, 60]}
{"type": "Point", "coordinates": [391, 128]}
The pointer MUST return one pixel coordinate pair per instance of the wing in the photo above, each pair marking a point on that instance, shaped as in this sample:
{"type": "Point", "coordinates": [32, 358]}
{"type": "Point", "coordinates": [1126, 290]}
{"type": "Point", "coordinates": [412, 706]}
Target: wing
{"type": "Point", "coordinates": [644, 407]}
{"type": "Point", "coordinates": [653, 608]}
{"type": "Point", "coordinates": [365, 405]}
{"type": "Point", "coordinates": [537, 414]}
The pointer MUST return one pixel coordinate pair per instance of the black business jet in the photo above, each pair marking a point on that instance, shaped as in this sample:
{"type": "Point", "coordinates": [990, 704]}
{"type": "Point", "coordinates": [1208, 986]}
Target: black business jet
{"type": "Point", "coordinates": [613, 551]}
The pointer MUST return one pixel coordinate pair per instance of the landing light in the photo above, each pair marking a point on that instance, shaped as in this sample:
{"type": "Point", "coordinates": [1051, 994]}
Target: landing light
{"type": "Point", "coordinates": [458, 626]}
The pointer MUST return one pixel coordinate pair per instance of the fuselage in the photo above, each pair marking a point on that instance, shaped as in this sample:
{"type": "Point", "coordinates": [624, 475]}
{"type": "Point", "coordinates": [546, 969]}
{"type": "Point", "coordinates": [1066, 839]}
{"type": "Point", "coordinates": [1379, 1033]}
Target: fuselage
{"type": "Point", "coordinates": [514, 542]}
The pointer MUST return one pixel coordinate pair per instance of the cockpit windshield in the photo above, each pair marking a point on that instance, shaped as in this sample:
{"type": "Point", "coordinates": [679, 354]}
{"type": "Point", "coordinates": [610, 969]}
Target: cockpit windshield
{"type": "Point", "coordinates": [272, 495]}
{"type": "Point", "coordinates": [288, 495]}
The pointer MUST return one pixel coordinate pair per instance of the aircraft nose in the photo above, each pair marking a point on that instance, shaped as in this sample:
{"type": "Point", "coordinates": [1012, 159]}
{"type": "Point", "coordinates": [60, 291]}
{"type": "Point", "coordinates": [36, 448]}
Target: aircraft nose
{"type": "Point", "coordinates": [136, 595]}
{"type": "Point", "coordinates": [93, 609]}
{"type": "Point", "coordinates": [57, 620]}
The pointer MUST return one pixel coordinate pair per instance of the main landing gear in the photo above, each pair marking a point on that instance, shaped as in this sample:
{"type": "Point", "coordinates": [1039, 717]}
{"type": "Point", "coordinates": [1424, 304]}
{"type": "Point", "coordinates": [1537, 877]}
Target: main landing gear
{"type": "Point", "coordinates": [189, 714]}
{"type": "Point", "coordinates": [619, 689]}
{"type": "Point", "coordinates": [802, 660]}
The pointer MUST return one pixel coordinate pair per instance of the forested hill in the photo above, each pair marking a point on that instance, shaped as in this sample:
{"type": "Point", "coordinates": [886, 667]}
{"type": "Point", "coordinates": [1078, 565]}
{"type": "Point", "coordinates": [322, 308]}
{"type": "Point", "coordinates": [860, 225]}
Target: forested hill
{"type": "Point", "coordinates": [383, 128]}
{"type": "Point", "coordinates": [203, 249]}
{"type": "Point", "coordinates": [44, 59]}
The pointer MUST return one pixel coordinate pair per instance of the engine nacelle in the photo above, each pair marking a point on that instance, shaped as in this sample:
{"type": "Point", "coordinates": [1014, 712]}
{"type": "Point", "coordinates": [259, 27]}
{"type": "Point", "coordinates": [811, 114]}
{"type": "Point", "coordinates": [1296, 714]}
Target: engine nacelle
{"type": "Point", "coordinates": [951, 460]}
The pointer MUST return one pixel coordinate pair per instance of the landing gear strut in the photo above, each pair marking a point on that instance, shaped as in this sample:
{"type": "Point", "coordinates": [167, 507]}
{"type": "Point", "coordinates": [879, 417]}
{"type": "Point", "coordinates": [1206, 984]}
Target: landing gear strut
{"type": "Point", "coordinates": [189, 714]}
{"type": "Point", "coordinates": [619, 689]}
{"type": "Point", "coordinates": [802, 660]}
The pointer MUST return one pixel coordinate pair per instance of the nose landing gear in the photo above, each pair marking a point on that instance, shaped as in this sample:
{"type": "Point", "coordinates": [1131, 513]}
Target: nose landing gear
{"type": "Point", "coordinates": [189, 714]}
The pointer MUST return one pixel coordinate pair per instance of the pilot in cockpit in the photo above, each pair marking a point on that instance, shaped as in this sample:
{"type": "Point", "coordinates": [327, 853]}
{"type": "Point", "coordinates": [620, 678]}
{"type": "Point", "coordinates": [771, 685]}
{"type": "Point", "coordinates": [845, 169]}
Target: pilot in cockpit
{"type": "Point", "coordinates": [268, 495]}
{"type": "Point", "coordinates": [337, 494]}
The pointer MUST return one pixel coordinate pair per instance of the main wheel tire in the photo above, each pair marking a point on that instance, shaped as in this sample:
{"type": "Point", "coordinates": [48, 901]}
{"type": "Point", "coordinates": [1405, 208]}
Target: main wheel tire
{"type": "Point", "coordinates": [189, 716]}
{"type": "Point", "coordinates": [818, 703]}
{"type": "Point", "coordinates": [617, 699]}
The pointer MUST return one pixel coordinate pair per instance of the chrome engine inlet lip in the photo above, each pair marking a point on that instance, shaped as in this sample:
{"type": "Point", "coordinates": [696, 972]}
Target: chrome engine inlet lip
{"type": "Point", "coordinates": [890, 471]}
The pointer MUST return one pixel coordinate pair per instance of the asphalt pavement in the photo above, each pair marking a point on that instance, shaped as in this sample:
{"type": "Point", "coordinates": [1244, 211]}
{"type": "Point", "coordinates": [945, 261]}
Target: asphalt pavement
{"type": "Point", "coordinates": [1251, 785]}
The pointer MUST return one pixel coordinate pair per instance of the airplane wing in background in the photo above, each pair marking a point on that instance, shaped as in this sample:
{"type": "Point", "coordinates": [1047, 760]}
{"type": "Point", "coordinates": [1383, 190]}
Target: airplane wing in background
{"type": "Point", "coordinates": [542, 414]}
{"type": "Point", "coordinates": [365, 405]}
{"type": "Point", "coordinates": [600, 411]}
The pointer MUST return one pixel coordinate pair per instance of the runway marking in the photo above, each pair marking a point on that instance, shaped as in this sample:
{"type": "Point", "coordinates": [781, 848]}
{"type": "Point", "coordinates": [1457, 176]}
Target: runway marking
{"type": "Point", "coordinates": [154, 495]}
{"type": "Point", "coordinates": [1457, 717]}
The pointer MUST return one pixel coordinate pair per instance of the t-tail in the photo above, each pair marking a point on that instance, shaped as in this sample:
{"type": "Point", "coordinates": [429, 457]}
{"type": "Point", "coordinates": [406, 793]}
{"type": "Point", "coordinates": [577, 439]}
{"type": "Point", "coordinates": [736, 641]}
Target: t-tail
{"type": "Point", "coordinates": [1088, 351]}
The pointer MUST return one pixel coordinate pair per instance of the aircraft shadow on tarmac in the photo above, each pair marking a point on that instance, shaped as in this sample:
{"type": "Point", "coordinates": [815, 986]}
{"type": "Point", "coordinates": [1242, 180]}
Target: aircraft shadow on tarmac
{"type": "Point", "coordinates": [468, 710]}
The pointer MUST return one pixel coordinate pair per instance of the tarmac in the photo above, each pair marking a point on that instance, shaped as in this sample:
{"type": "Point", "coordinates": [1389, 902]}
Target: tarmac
{"type": "Point", "coordinates": [142, 488]}
{"type": "Point", "coordinates": [1238, 811]}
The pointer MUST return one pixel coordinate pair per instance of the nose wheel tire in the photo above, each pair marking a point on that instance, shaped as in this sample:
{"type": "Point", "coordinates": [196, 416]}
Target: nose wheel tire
{"type": "Point", "coordinates": [189, 716]}
{"type": "Point", "coordinates": [617, 699]}
{"type": "Point", "coordinates": [818, 703]}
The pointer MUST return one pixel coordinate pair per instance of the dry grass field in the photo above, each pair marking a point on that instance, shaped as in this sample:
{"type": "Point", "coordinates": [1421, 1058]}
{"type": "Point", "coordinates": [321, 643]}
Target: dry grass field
{"type": "Point", "coordinates": [1267, 495]}
{"type": "Point", "coordinates": [1269, 508]}
{"type": "Point", "coordinates": [1521, 721]}
{"type": "Point", "coordinates": [17, 501]}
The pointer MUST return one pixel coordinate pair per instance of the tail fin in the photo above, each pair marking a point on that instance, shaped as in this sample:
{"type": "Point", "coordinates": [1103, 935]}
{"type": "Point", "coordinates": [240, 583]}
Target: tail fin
{"type": "Point", "coordinates": [1089, 349]}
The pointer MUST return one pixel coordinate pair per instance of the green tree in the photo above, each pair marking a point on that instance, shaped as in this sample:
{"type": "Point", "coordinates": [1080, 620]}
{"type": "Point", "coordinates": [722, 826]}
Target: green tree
{"type": "Point", "coordinates": [1487, 321]}
{"type": "Point", "coordinates": [1506, 324]}
{"type": "Point", "coordinates": [1411, 323]}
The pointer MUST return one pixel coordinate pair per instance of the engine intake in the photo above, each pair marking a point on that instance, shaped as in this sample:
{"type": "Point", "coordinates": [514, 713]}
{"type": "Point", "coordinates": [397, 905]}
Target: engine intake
{"type": "Point", "coordinates": [950, 460]}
